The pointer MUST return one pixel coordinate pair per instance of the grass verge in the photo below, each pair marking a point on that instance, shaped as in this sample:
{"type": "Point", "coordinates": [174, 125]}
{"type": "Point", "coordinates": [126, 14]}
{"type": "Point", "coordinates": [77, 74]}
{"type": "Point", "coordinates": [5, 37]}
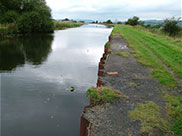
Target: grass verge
{"type": "Point", "coordinates": [149, 48]}
{"type": "Point", "coordinates": [151, 117]}
{"type": "Point", "coordinates": [104, 95]}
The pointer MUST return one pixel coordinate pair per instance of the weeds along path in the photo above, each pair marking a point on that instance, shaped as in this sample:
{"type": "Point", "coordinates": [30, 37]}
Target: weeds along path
{"type": "Point", "coordinates": [162, 54]}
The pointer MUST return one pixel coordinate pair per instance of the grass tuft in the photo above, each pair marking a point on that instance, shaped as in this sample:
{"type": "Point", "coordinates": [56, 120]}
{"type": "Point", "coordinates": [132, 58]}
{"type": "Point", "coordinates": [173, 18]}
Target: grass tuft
{"type": "Point", "coordinates": [150, 117]}
{"type": "Point", "coordinates": [123, 54]}
{"type": "Point", "coordinates": [174, 107]}
{"type": "Point", "coordinates": [132, 84]}
{"type": "Point", "coordinates": [104, 94]}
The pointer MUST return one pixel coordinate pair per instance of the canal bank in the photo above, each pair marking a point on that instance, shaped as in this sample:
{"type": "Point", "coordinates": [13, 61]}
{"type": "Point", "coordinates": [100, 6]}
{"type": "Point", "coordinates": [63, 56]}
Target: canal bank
{"type": "Point", "coordinates": [123, 73]}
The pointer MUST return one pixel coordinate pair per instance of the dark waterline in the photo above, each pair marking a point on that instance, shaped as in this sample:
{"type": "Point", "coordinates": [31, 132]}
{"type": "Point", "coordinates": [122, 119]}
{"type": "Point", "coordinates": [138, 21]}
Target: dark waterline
{"type": "Point", "coordinates": [37, 73]}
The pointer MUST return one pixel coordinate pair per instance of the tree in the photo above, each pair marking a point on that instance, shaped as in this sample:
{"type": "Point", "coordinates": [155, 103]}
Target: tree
{"type": "Point", "coordinates": [108, 22]}
{"type": "Point", "coordinates": [31, 16]}
{"type": "Point", "coordinates": [171, 27]}
{"type": "Point", "coordinates": [133, 21]}
{"type": "Point", "coordinates": [66, 19]}
{"type": "Point", "coordinates": [10, 17]}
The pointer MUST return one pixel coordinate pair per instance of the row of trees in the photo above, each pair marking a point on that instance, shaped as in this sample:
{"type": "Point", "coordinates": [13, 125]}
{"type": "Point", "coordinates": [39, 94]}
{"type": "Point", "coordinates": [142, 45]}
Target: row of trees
{"type": "Point", "coordinates": [28, 16]}
{"type": "Point", "coordinates": [170, 25]}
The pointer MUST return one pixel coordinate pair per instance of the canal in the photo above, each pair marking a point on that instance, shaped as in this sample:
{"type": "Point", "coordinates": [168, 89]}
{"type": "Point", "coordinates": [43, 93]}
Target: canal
{"type": "Point", "coordinates": [43, 80]}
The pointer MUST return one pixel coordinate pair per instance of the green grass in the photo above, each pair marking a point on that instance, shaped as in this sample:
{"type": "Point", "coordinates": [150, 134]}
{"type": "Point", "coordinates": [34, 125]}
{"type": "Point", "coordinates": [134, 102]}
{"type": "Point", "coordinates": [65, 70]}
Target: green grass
{"type": "Point", "coordinates": [148, 48]}
{"type": "Point", "coordinates": [64, 25]}
{"type": "Point", "coordinates": [123, 54]}
{"type": "Point", "coordinates": [132, 84]}
{"type": "Point", "coordinates": [108, 45]}
{"type": "Point", "coordinates": [104, 94]}
{"type": "Point", "coordinates": [150, 115]}
{"type": "Point", "coordinates": [174, 107]}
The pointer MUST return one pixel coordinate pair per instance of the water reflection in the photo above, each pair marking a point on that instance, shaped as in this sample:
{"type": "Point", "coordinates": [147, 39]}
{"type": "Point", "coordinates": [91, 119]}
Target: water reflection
{"type": "Point", "coordinates": [16, 52]}
{"type": "Point", "coordinates": [36, 100]}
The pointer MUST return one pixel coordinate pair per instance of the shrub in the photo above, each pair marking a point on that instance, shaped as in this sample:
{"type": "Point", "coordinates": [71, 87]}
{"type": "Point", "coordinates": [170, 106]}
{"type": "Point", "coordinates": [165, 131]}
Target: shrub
{"type": "Point", "coordinates": [9, 17]}
{"type": "Point", "coordinates": [171, 27]}
{"type": "Point", "coordinates": [133, 21]}
{"type": "Point", "coordinates": [30, 15]}
{"type": "Point", "coordinates": [108, 22]}
{"type": "Point", "coordinates": [32, 22]}
{"type": "Point", "coordinates": [104, 94]}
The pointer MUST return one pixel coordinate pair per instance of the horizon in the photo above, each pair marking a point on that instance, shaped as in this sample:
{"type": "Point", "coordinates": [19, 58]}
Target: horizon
{"type": "Point", "coordinates": [115, 10]}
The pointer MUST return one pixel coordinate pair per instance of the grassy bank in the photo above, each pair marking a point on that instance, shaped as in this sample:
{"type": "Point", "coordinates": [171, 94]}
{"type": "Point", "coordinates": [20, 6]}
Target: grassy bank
{"type": "Point", "coordinates": [152, 118]}
{"type": "Point", "coordinates": [64, 25]}
{"type": "Point", "coordinates": [159, 52]}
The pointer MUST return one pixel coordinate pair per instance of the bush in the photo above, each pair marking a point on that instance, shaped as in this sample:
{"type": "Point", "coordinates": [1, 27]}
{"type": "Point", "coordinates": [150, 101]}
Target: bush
{"type": "Point", "coordinates": [29, 22]}
{"type": "Point", "coordinates": [133, 21]}
{"type": "Point", "coordinates": [30, 15]}
{"type": "Point", "coordinates": [108, 22]}
{"type": "Point", "coordinates": [171, 27]}
{"type": "Point", "coordinates": [9, 17]}
{"type": "Point", "coordinates": [32, 22]}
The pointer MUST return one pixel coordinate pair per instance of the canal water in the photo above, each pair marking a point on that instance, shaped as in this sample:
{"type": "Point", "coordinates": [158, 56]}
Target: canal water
{"type": "Point", "coordinates": [43, 80]}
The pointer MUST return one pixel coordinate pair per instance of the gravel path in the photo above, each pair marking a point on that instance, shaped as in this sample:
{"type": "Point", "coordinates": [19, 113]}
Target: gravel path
{"type": "Point", "coordinates": [134, 81]}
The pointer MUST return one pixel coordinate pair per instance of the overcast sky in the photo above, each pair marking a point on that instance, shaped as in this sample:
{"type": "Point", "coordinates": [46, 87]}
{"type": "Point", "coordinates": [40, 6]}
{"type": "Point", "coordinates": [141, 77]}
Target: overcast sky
{"type": "Point", "coordinates": [115, 9]}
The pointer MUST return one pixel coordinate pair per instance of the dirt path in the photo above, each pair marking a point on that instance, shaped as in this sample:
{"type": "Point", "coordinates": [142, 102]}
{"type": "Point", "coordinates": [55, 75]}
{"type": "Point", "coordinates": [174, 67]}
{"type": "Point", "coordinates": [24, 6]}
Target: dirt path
{"type": "Point", "coordinates": [134, 81]}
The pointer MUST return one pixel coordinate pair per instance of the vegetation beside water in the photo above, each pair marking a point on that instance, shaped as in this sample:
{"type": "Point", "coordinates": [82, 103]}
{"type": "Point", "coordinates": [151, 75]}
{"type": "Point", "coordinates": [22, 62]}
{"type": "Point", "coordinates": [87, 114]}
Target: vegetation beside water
{"type": "Point", "coordinates": [104, 94]}
{"type": "Point", "coordinates": [154, 51]}
{"type": "Point", "coordinates": [59, 25]}
{"type": "Point", "coordinates": [25, 16]}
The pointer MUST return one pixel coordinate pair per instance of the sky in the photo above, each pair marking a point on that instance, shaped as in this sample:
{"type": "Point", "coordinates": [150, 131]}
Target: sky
{"type": "Point", "coordinates": [116, 10]}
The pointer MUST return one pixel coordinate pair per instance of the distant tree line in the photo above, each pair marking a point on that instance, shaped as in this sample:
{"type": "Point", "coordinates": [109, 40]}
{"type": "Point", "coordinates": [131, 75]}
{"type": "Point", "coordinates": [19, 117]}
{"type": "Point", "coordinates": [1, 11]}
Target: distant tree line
{"type": "Point", "coordinates": [27, 16]}
{"type": "Point", "coordinates": [169, 26]}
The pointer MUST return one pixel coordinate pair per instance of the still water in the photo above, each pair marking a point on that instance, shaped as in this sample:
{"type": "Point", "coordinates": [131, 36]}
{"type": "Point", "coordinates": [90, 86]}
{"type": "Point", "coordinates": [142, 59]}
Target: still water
{"type": "Point", "coordinates": [38, 73]}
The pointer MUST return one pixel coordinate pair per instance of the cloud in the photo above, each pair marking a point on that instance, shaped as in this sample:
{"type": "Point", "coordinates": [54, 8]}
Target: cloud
{"type": "Point", "coordinates": [114, 9]}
